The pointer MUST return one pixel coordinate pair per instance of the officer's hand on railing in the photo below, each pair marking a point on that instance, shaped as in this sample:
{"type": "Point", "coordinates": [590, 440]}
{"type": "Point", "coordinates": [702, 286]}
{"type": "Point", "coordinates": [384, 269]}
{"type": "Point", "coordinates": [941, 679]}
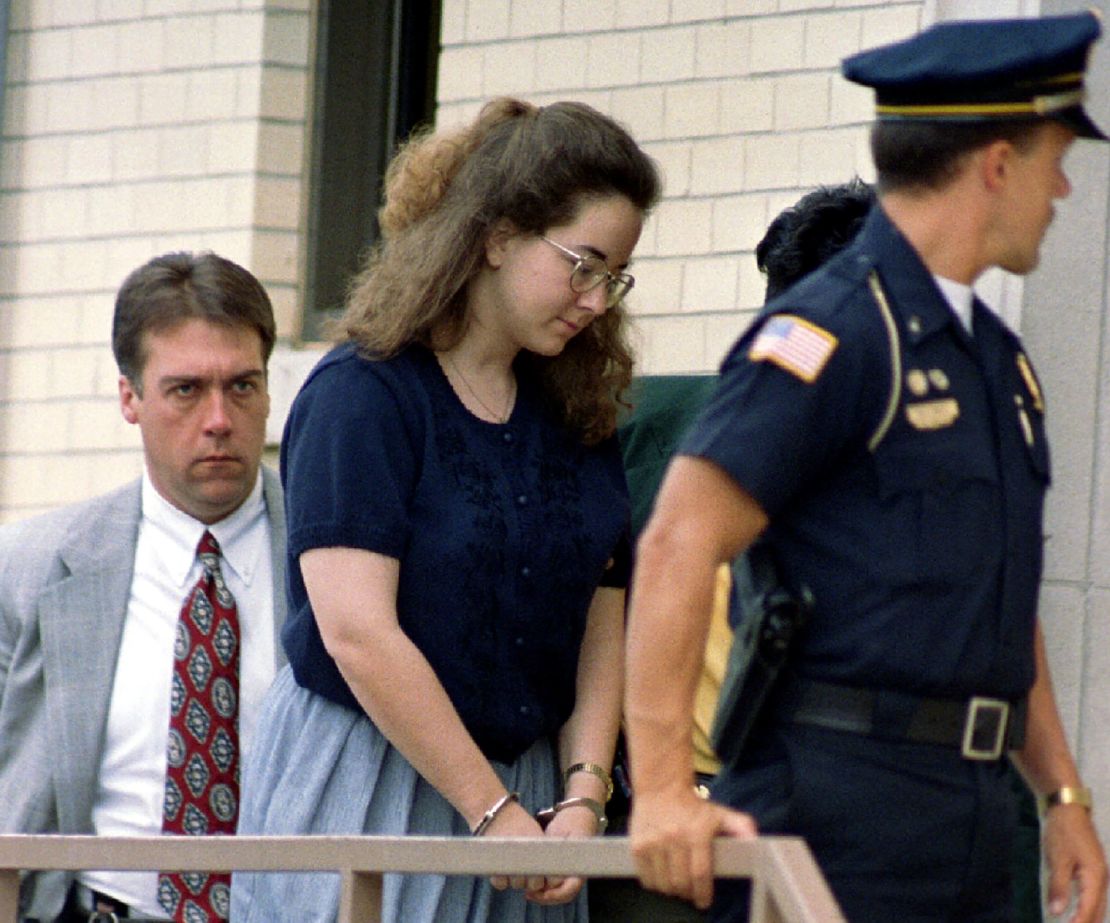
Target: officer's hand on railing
{"type": "Point", "coordinates": [513, 820]}
{"type": "Point", "coordinates": [1075, 861]}
{"type": "Point", "coordinates": [672, 837]}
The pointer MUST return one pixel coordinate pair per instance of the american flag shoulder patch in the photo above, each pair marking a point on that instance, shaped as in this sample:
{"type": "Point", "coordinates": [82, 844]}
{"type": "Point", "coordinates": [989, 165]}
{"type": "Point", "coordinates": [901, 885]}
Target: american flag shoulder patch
{"type": "Point", "coordinates": [794, 345]}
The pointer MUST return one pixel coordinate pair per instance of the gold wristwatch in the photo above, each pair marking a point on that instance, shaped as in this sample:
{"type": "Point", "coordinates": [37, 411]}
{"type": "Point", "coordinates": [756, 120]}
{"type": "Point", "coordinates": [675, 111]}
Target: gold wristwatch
{"type": "Point", "coordinates": [1068, 794]}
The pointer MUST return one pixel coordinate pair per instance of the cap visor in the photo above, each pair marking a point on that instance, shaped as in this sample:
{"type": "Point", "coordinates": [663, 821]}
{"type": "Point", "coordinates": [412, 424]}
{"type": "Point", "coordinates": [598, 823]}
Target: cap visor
{"type": "Point", "coordinates": [1078, 121]}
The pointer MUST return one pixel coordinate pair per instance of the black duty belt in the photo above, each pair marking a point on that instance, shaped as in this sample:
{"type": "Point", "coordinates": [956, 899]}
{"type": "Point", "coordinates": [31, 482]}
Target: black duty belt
{"type": "Point", "coordinates": [981, 728]}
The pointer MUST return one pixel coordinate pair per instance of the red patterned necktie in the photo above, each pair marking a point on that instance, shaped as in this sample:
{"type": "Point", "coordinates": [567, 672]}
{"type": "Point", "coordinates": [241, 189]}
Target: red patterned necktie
{"type": "Point", "coordinates": [202, 757]}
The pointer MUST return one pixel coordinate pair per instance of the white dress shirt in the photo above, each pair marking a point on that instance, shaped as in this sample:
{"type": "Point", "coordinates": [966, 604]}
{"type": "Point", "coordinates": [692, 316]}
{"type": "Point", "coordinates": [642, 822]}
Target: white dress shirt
{"type": "Point", "coordinates": [131, 781]}
{"type": "Point", "coordinates": [959, 298]}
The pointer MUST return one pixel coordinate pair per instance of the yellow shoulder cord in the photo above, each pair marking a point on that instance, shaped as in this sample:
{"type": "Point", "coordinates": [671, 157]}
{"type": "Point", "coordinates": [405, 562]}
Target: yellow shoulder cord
{"type": "Point", "coordinates": [895, 361]}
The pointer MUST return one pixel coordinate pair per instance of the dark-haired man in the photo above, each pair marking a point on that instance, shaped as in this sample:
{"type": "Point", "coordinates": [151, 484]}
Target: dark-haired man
{"type": "Point", "coordinates": [884, 432]}
{"type": "Point", "coordinates": [810, 232]}
{"type": "Point", "coordinates": [137, 629]}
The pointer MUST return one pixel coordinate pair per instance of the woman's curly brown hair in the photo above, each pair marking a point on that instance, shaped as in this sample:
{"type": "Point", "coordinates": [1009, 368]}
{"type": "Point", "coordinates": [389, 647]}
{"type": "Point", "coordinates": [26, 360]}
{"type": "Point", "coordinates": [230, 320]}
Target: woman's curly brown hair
{"type": "Point", "coordinates": [444, 192]}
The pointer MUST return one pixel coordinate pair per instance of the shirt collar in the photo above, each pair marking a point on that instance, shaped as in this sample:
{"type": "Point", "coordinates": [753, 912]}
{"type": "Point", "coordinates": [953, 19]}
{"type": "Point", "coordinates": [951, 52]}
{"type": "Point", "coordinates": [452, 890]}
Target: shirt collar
{"type": "Point", "coordinates": [959, 297]}
{"type": "Point", "coordinates": [914, 293]}
{"type": "Point", "coordinates": [178, 533]}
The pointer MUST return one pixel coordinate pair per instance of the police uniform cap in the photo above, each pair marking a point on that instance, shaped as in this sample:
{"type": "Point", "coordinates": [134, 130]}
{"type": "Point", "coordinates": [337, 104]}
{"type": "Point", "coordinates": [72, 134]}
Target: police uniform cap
{"type": "Point", "coordinates": [985, 70]}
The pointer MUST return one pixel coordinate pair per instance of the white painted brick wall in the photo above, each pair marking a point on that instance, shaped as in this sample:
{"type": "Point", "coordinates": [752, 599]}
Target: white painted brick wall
{"type": "Point", "coordinates": [778, 43]}
{"type": "Point", "coordinates": [667, 55]}
{"type": "Point", "coordinates": [690, 109]}
{"type": "Point", "coordinates": [560, 63]}
{"type": "Point", "coordinates": [721, 331]}
{"type": "Point", "coordinates": [827, 157]}
{"type": "Point", "coordinates": [283, 95]}
{"type": "Point", "coordinates": [672, 344]}
{"type": "Point", "coordinates": [673, 159]}
{"type": "Point", "coordinates": [633, 14]}
{"type": "Point", "coordinates": [830, 38]}
{"type": "Point", "coordinates": [506, 68]}
{"type": "Point", "coordinates": [889, 23]}
{"type": "Point", "coordinates": [723, 48]}
{"type": "Point", "coordinates": [772, 161]}
{"type": "Point", "coordinates": [747, 106]}
{"type": "Point", "coordinates": [684, 227]}
{"type": "Point", "coordinates": [487, 20]}
{"type": "Point", "coordinates": [526, 20]}
{"type": "Point", "coordinates": [641, 109]}
{"type": "Point", "coordinates": [130, 129]}
{"type": "Point", "coordinates": [695, 10]}
{"type": "Point", "coordinates": [802, 101]}
{"type": "Point", "coordinates": [739, 222]}
{"type": "Point", "coordinates": [653, 277]}
{"type": "Point", "coordinates": [612, 60]}
{"type": "Point", "coordinates": [717, 167]}
{"type": "Point", "coordinates": [708, 281]}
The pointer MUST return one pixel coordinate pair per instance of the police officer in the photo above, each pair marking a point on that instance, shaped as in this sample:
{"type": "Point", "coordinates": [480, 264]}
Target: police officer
{"type": "Point", "coordinates": [885, 432]}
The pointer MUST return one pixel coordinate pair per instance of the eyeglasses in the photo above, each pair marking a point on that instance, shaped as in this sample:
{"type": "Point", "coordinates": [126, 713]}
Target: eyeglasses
{"type": "Point", "coordinates": [590, 271]}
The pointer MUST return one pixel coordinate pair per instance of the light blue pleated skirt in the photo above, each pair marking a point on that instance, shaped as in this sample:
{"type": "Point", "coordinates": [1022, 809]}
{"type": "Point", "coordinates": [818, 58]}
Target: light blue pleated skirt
{"type": "Point", "coordinates": [318, 768]}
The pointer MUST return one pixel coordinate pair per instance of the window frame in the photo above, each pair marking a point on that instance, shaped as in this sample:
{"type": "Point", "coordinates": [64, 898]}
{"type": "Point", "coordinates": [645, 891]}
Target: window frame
{"type": "Point", "coordinates": [375, 67]}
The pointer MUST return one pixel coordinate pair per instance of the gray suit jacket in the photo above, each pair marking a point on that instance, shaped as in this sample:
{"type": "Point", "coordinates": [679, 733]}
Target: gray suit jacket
{"type": "Point", "coordinates": [65, 578]}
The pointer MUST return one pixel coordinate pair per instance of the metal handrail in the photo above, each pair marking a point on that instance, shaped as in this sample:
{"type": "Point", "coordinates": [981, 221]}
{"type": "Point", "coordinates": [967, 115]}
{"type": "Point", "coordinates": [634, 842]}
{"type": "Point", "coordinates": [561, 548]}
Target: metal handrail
{"type": "Point", "coordinates": [787, 885]}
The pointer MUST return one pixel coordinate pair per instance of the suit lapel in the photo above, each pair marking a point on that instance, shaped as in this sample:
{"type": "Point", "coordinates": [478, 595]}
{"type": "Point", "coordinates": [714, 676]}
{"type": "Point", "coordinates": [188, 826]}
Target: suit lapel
{"type": "Point", "coordinates": [81, 619]}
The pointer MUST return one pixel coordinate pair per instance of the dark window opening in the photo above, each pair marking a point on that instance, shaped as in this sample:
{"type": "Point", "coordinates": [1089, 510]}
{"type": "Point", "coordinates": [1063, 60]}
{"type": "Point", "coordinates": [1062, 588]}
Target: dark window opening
{"type": "Point", "coordinates": [375, 81]}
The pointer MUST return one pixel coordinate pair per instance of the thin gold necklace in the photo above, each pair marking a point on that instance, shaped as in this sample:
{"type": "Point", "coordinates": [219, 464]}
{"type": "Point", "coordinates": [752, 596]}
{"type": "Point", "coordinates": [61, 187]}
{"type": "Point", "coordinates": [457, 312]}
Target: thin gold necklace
{"type": "Point", "coordinates": [499, 417]}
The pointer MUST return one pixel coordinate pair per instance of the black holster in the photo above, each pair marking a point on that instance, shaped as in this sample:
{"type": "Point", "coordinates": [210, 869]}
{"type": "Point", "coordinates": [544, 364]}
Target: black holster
{"type": "Point", "coordinates": [769, 618]}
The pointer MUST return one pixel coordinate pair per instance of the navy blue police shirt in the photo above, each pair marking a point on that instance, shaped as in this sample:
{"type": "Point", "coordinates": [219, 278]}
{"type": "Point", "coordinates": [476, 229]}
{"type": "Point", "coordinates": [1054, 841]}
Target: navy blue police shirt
{"type": "Point", "coordinates": [503, 533]}
{"type": "Point", "coordinates": [916, 523]}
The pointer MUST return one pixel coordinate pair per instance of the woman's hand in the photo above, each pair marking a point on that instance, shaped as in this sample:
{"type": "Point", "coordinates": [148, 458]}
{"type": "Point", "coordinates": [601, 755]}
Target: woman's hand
{"type": "Point", "coordinates": [569, 823]}
{"type": "Point", "coordinates": [513, 820]}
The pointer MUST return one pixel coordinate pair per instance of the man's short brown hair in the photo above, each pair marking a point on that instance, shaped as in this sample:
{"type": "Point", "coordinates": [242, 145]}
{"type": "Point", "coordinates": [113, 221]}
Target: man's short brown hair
{"type": "Point", "coordinates": [180, 286]}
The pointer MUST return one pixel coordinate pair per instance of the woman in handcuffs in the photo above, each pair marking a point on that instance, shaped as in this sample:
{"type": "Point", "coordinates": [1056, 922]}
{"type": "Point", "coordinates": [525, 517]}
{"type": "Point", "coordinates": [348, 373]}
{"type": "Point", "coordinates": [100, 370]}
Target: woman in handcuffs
{"type": "Point", "coordinates": [458, 523]}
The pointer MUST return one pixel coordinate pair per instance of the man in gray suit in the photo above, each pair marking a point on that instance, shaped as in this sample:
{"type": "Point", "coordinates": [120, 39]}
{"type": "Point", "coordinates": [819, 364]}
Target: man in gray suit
{"type": "Point", "coordinates": [91, 594]}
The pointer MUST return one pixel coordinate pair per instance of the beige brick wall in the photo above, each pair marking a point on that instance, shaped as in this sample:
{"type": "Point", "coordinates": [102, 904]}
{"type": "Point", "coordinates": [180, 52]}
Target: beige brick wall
{"type": "Point", "coordinates": [130, 129]}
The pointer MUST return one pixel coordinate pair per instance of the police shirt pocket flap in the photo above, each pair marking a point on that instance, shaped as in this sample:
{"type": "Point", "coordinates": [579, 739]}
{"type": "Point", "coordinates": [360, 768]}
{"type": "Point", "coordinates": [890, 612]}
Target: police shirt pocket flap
{"type": "Point", "coordinates": [933, 472]}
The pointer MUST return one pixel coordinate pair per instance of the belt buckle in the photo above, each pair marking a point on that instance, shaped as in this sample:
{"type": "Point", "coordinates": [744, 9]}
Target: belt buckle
{"type": "Point", "coordinates": [985, 728]}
